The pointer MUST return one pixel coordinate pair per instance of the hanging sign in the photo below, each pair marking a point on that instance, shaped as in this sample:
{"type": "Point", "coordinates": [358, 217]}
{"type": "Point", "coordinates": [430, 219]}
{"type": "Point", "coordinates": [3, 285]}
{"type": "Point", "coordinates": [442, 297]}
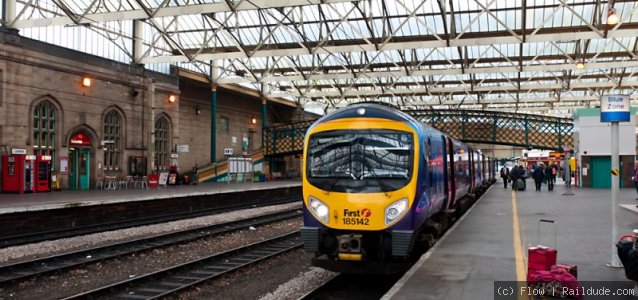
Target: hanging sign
{"type": "Point", "coordinates": [18, 151]}
{"type": "Point", "coordinates": [80, 139]}
{"type": "Point", "coordinates": [614, 108]}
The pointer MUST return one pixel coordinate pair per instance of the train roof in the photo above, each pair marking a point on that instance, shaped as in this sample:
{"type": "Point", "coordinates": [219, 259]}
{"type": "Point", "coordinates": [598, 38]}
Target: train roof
{"type": "Point", "coordinates": [367, 110]}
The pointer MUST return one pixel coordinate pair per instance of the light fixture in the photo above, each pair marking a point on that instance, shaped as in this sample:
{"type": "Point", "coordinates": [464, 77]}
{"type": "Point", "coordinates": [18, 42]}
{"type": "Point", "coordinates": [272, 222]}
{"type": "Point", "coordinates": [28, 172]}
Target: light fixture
{"type": "Point", "coordinates": [580, 65]}
{"type": "Point", "coordinates": [198, 111]}
{"type": "Point", "coordinates": [172, 98]}
{"type": "Point", "coordinates": [86, 81]}
{"type": "Point", "coordinates": [253, 120]}
{"type": "Point", "coordinates": [612, 18]}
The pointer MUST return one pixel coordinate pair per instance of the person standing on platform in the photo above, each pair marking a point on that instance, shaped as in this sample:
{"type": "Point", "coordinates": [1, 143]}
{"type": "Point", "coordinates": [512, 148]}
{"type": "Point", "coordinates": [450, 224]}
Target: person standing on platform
{"type": "Point", "coordinates": [550, 175]}
{"type": "Point", "coordinates": [505, 173]}
{"type": "Point", "coordinates": [514, 176]}
{"type": "Point", "coordinates": [635, 179]}
{"type": "Point", "coordinates": [538, 176]}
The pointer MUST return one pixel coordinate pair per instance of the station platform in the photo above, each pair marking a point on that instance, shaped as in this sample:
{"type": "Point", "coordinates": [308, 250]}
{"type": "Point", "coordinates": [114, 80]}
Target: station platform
{"type": "Point", "coordinates": [15, 203]}
{"type": "Point", "coordinates": [490, 242]}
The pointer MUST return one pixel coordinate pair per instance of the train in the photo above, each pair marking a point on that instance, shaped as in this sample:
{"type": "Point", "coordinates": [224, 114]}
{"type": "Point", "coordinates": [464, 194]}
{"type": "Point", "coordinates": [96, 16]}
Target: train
{"type": "Point", "coordinates": [380, 187]}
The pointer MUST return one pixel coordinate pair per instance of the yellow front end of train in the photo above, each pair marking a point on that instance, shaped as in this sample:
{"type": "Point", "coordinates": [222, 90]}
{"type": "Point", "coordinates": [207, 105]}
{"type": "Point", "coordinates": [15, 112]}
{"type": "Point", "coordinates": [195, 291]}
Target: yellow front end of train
{"type": "Point", "coordinates": [359, 180]}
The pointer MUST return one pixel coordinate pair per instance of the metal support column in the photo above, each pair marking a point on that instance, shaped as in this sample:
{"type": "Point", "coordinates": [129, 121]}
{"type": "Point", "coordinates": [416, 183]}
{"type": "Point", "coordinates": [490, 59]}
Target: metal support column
{"type": "Point", "coordinates": [213, 111]}
{"type": "Point", "coordinates": [151, 144]}
{"type": "Point", "coordinates": [264, 123]}
{"type": "Point", "coordinates": [213, 123]}
{"type": "Point", "coordinates": [526, 131]}
{"type": "Point", "coordinates": [615, 183]}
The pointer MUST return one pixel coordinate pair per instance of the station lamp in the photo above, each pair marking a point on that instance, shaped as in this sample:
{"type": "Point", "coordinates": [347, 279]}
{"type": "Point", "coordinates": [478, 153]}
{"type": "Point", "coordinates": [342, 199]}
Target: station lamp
{"type": "Point", "coordinates": [86, 82]}
{"type": "Point", "coordinates": [253, 120]}
{"type": "Point", "coordinates": [612, 17]}
{"type": "Point", "coordinates": [172, 98]}
{"type": "Point", "coordinates": [580, 65]}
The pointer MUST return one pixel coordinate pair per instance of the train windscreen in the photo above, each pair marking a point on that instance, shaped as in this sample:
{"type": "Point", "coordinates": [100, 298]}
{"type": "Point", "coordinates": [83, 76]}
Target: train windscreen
{"type": "Point", "coordinates": [360, 161]}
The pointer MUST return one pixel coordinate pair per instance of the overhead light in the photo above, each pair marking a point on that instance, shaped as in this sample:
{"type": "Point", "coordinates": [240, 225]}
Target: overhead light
{"type": "Point", "coordinates": [172, 98]}
{"type": "Point", "coordinates": [612, 18]}
{"type": "Point", "coordinates": [253, 120]}
{"type": "Point", "coordinates": [86, 82]}
{"type": "Point", "coordinates": [580, 65]}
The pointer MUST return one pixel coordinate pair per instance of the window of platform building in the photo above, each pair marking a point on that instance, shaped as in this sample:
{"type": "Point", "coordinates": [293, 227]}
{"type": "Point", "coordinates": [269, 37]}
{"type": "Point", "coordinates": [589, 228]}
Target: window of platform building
{"type": "Point", "coordinates": [223, 125]}
{"type": "Point", "coordinates": [112, 132]}
{"type": "Point", "coordinates": [162, 147]}
{"type": "Point", "coordinates": [44, 129]}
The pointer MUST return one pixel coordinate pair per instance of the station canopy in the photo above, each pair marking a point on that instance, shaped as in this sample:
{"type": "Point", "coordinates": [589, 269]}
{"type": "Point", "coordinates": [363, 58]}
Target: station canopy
{"type": "Point", "coordinates": [537, 56]}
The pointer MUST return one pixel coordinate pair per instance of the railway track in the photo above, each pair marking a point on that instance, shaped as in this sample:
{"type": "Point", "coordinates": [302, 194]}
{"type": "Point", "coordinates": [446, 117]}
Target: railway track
{"type": "Point", "coordinates": [357, 286]}
{"type": "Point", "coordinates": [353, 286]}
{"type": "Point", "coordinates": [40, 236]}
{"type": "Point", "coordinates": [171, 280]}
{"type": "Point", "coordinates": [57, 263]}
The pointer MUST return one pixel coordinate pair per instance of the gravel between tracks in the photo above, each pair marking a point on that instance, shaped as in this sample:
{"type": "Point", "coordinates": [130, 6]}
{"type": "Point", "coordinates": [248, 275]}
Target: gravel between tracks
{"type": "Point", "coordinates": [97, 274]}
{"type": "Point", "coordinates": [30, 251]}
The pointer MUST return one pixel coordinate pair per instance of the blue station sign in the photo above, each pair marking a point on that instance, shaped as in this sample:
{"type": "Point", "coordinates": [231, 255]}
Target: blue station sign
{"type": "Point", "coordinates": [614, 108]}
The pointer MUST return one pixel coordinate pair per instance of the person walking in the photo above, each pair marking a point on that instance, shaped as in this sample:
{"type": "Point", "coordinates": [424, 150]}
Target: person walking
{"type": "Point", "coordinates": [538, 176]}
{"type": "Point", "coordinates": [550, 175]}
{"type": "Point", "coordinates": [505, 173]}
{"type": "Point", "coordinates": [514, 177]}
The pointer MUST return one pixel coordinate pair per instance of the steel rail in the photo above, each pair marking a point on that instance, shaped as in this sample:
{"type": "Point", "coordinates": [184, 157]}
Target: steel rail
{"type": "Point", "coordinates": [57, 263]}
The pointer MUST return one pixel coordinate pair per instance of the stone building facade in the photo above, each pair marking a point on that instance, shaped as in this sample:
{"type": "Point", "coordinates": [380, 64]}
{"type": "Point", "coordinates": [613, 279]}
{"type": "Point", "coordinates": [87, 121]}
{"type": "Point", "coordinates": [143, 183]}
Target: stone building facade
{"type": "Point", "coordinates": [124, 121]}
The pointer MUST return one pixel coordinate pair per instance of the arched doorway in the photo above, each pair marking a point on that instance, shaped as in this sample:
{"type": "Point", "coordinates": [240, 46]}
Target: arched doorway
{"type": "Point", "coordinates": [80, 146]}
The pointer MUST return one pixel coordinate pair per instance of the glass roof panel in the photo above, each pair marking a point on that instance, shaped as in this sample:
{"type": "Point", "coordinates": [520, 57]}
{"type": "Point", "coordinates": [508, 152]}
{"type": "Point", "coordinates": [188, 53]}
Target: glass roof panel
{"type": "Point", "coordinates": [549, 51]}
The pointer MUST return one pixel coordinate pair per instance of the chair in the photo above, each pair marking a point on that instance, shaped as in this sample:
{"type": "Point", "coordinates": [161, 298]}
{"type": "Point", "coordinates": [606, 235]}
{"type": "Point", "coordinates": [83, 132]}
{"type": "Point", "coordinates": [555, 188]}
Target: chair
{"type": "Point", "coordinates": [143, 182]}
{"type": "Point", "coordinates": [111, 182]}
{"type": "Point", "coordinates": [99, 184]}
{"type": "Point", "coordinates": [129, 180]}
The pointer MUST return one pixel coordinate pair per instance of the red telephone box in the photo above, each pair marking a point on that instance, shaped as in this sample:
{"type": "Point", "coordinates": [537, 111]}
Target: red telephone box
{"type": "Point", "coordinates": [42, 174]}
{"type": "Point", "coordinates": [13, 173]}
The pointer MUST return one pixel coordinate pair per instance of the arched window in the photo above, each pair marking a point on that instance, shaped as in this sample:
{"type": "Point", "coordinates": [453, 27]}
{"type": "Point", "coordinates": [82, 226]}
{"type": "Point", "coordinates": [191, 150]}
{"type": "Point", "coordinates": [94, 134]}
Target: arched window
{"type": "Point", "coordinates": [112, 133]}
{"type": "Point", "coordinates": [44, 129]}
{"type": "Point", "coordinates": [162, 145]}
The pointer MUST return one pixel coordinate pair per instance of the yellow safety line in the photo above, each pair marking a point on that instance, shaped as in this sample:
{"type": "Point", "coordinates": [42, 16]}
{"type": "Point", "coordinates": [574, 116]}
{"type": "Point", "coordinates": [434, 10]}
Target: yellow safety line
{"type": "Point", "coordinates": [519, 256]}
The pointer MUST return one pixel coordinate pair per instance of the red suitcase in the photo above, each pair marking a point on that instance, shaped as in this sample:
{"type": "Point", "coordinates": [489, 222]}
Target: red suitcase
{"type": "Point", "coordinates": [572, 269]}
{"type": "Point", "coordinates": [541, 257]}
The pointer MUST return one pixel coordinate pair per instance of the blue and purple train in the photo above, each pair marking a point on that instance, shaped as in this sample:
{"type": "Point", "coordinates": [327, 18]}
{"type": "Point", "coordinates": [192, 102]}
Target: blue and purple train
{"type": "Point", "coordinates": [379, 187]}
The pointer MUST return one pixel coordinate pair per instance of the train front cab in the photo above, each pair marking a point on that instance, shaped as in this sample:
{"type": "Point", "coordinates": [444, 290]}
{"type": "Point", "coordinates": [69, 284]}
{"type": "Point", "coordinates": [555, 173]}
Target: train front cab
{"type": "Point", "coordinates": [342, 219]}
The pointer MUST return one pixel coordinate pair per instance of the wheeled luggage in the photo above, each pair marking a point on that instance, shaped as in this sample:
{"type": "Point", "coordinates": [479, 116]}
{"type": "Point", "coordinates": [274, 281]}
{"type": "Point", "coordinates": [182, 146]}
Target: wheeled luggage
{"type": "Point", "coordinates": [541, 258]}
{"type": "Point", "coordinates": [557, 282]}
{"type": "Point", "coordinates": [520, 185]}
{"type": "Point", "coordinates": [628, 254]}
{"type": "Point", "coordinates": [572, 269]}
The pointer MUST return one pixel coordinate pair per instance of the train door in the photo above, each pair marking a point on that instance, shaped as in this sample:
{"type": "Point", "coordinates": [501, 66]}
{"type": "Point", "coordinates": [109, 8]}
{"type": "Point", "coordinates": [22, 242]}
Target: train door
{"type": "Point", "coordinates": [451, 179]}
{"type": "Point", "coordinates": [470, 157]}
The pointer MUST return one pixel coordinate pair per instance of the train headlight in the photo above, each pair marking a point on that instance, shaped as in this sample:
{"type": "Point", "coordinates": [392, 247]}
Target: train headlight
{"type": "Point", "coordinates": [319, 209]}
{"type": "Point", "coordinates": [395, 210]}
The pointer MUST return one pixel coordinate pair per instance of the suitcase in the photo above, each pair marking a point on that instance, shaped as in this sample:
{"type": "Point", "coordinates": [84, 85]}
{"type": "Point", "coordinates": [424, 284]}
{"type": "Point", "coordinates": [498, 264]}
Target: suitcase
{"type": "Point", "coordinates": [629, 258]}
{"type": "Point", "coordinates": [520, 185]}
{"type": "Point", "coordinates": [541, 258]}
{"type": "Point", "coordinates": [572, 269]}
{"type": "Point", "coordinates": [555, 283]}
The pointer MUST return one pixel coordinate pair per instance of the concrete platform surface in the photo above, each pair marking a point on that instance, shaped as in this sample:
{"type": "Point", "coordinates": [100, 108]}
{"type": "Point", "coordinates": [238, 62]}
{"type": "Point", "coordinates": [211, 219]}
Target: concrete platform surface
{"type": "Point", "coordinates": [484, 246]}
{"type": "Point", "coordinates": [11, 203]}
